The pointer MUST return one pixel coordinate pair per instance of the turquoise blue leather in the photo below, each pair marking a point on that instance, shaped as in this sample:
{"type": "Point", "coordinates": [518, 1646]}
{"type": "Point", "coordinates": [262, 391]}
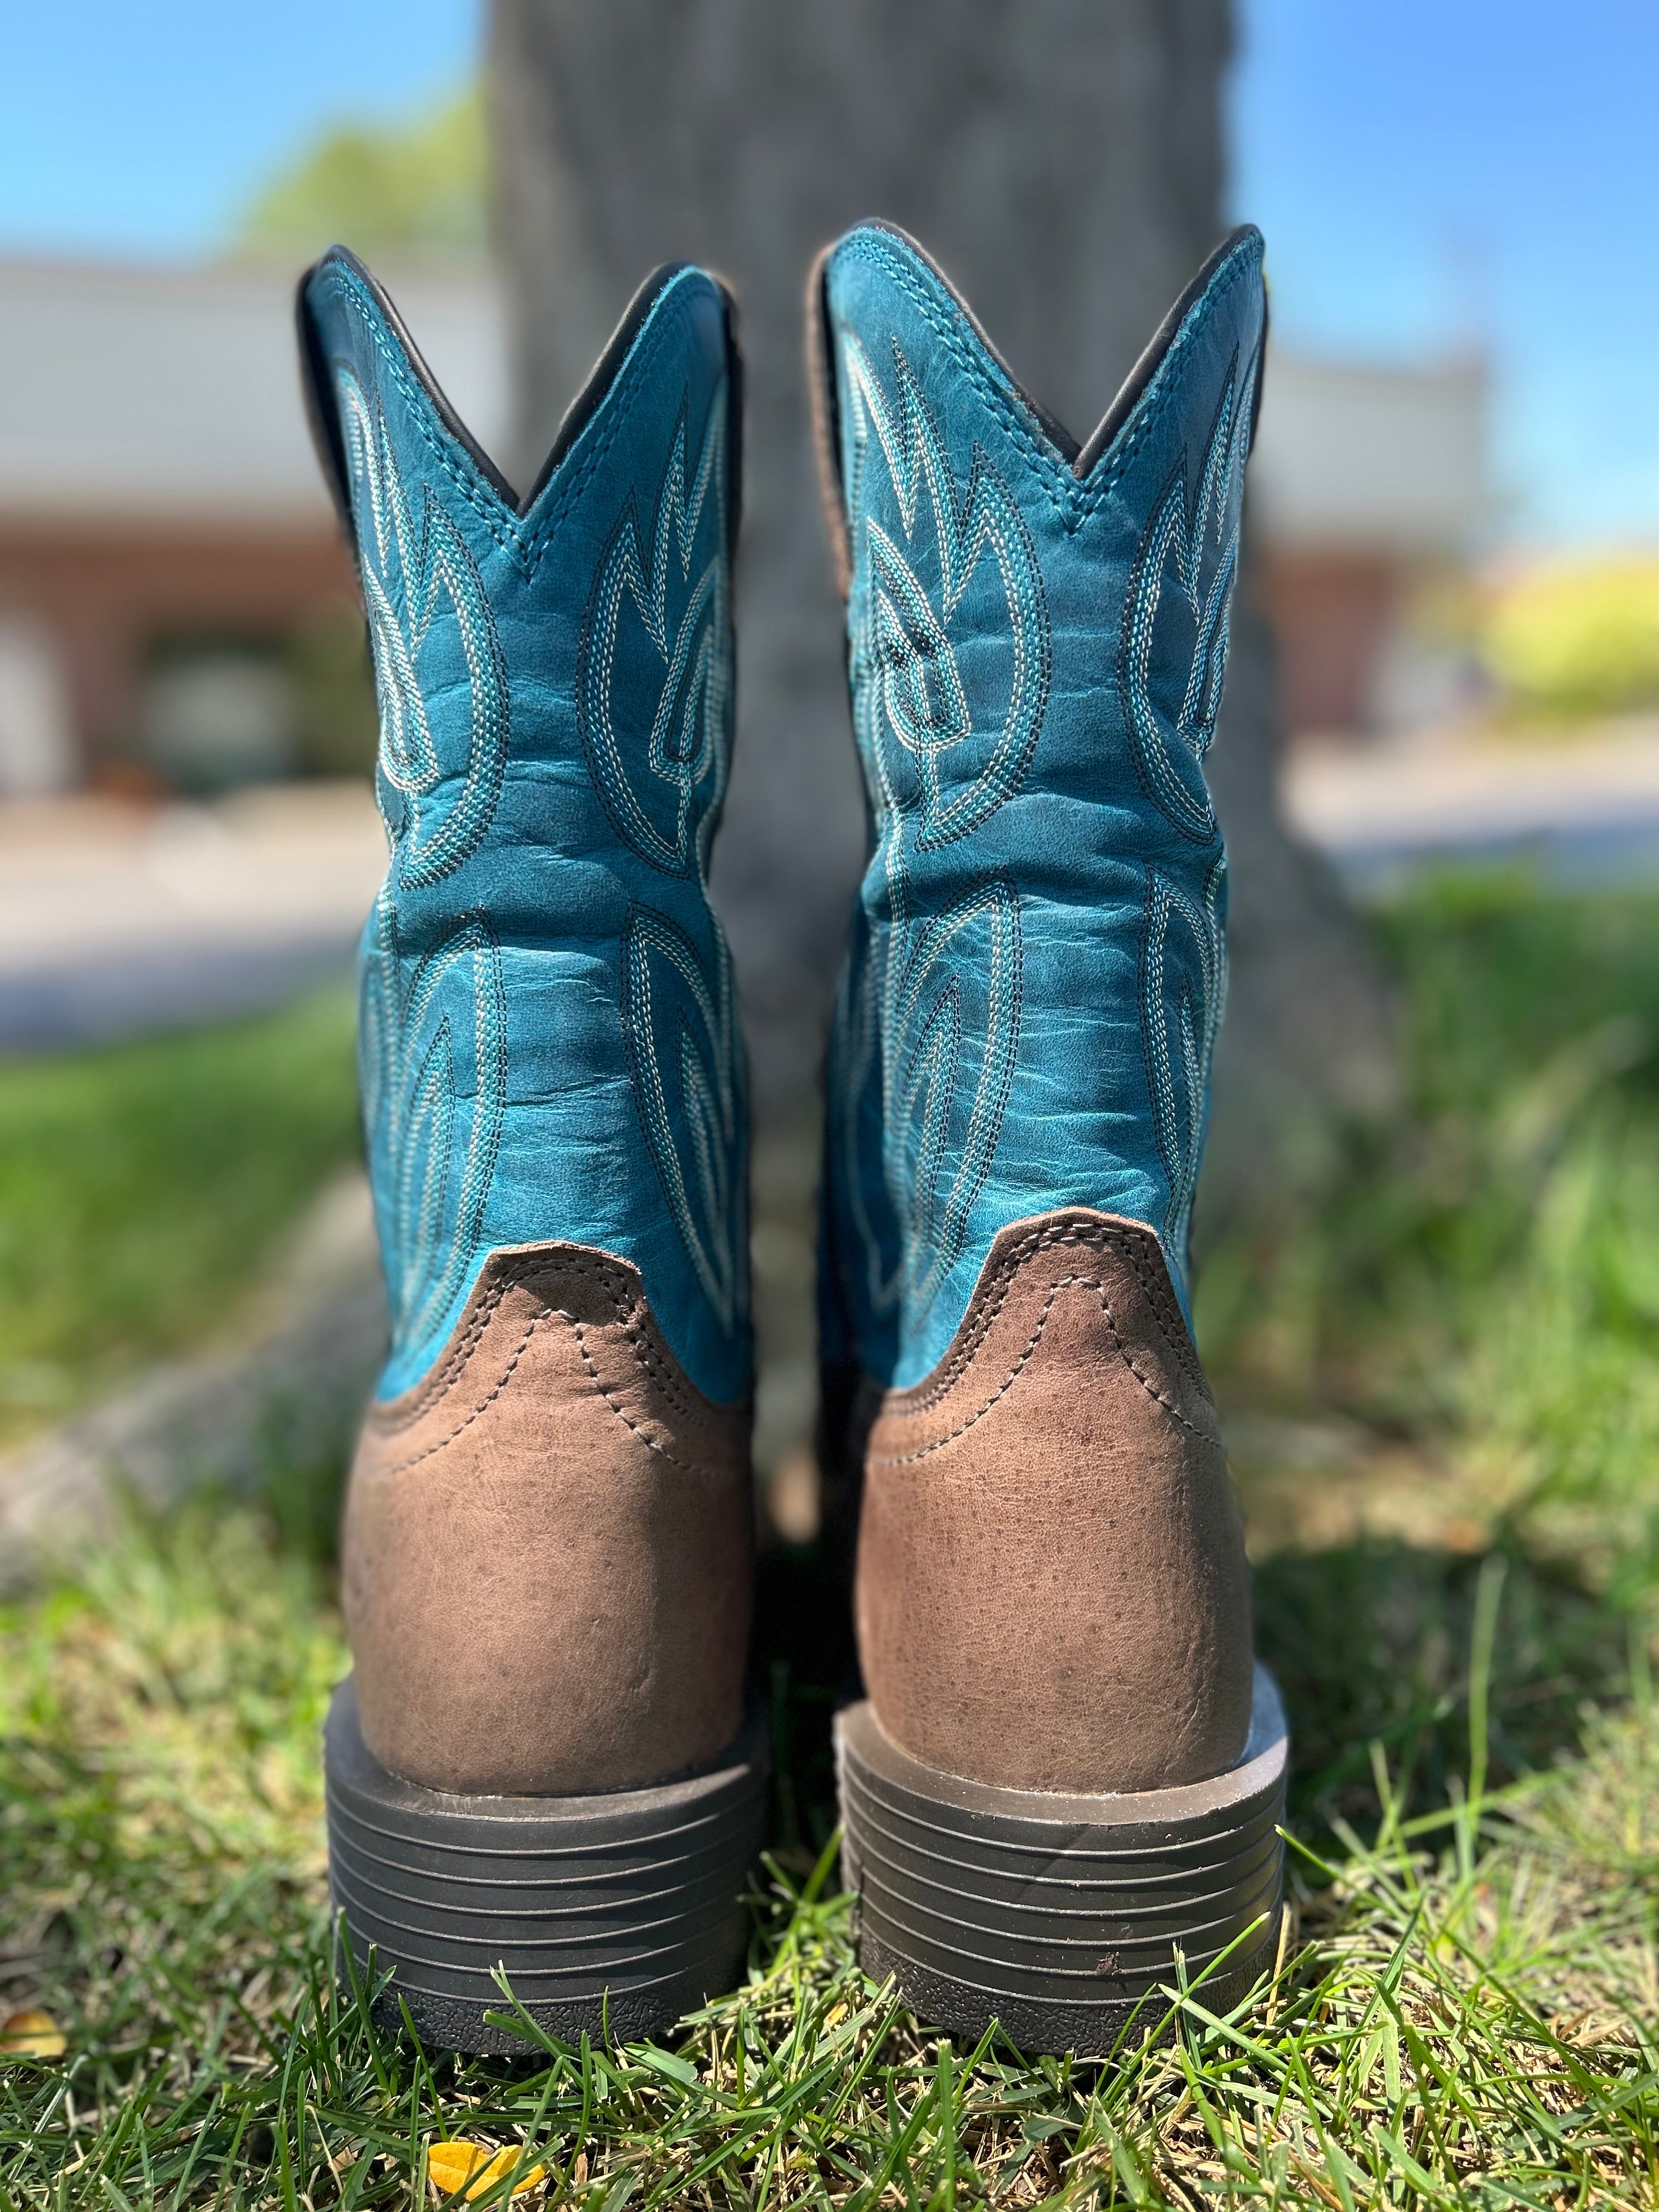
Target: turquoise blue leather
{"type": "Point", "coordinates": [549, 1045]}
{"type": "Point", "coordinates": [1035, 650]}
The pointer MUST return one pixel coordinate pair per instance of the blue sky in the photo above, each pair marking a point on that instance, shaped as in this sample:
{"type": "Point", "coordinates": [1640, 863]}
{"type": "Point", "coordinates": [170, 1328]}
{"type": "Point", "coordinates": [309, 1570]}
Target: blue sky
{"type": "Point", "coordinates": [1431, 173]}
{"type": "Point", "coordinates": [1429, 176]}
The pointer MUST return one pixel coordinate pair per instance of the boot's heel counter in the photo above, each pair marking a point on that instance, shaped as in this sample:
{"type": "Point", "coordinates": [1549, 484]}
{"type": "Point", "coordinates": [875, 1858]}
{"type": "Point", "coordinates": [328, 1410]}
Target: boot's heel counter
{"type": "Point", "coordinates": [1052, 1587]}
{"type": "Point", "coordinates": [548, 1546]}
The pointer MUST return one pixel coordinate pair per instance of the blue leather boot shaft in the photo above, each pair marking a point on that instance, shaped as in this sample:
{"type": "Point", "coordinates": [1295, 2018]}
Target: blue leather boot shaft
{"type": "Point", "coordinates": [1036, 655]}
{"type": "Point", "coordinates": [548, 1042]}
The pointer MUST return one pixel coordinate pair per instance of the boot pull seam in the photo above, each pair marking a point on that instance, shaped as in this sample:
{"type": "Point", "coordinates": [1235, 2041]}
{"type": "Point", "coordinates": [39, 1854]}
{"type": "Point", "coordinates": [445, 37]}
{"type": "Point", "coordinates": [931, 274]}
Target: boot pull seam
{"type": "Point", "coordinates": [1068, 1282]}
{"type": "Point", "coordinates": [449, 1369]}
{"type": "Point", "coordinates": [575, 1327]}
{"type": "Point", "coordinates": [442, 1444]}
{"type": "Point", "coordinates": [990, 1302]}
{"type": "Point", "coordinates": [677, 1394]}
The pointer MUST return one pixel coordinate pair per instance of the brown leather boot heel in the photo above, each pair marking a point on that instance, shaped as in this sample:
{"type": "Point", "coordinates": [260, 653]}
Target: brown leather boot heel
{"type": "Point", "coordinates": [541, 1761]}
{"type": "Point", "coordinates": [1068, 1778]}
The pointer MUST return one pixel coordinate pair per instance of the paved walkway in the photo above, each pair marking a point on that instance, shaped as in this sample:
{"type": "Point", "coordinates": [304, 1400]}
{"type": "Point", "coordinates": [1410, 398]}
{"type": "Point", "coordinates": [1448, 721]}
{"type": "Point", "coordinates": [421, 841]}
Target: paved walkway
{"type": "Point", "coordinates": [1586, 810]}
{"type": "Point", "coordinates": [117, 919]}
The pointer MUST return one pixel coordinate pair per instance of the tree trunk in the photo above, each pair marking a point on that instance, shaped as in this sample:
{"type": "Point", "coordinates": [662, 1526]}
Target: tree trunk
{"type": "Point", "coordinates": [1307, 1045]}
{"type": "Point", "coordinates": [1063, 160]}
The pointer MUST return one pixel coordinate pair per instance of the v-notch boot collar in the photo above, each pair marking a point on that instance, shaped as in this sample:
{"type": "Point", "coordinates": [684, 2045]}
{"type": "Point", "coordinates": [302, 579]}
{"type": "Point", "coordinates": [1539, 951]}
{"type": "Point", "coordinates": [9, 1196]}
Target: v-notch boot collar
{"type": "Point", "coordinates": [549, 1038]}
{"type": "Point", "coordinates": [1037, 634]}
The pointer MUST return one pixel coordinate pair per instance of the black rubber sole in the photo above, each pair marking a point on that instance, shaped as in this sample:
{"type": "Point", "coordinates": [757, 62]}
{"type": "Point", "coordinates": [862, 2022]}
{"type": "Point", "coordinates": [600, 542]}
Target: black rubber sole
{"type": "Point", "coordinates": [620, 1911]}
{"type": "Point", "coordinates": [1059, 1916]}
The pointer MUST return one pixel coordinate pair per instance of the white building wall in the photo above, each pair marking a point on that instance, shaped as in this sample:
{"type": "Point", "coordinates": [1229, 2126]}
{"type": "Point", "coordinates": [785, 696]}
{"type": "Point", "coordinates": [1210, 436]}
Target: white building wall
{"type": "Point", "coordinates": [127, 393]}
{"type": "Point", "coordinates": [1389, 460]}
{"type": "Point", "coordinates": [175, 394]}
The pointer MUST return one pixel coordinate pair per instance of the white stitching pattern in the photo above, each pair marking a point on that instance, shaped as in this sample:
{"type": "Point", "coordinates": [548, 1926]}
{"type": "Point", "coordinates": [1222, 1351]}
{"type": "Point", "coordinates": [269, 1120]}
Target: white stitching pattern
{"type": "Point", "coordinates": [679, 1020]}
{"type": "Point", "coordinates": [406, 576]}
{"type": "Point", "coordinates": [1066, 1283]}
{"type": "Point", "coordinates": [689, 743]}
{"type": "Point", "coordinates": [1187, 1001]}
{"type": "Point", "coordinates": [698, 1150]}
{"type": "Point", "coordinates": [406, 1064]}
{"type": "Point", "coordinates": [899, 1017]}
{"type": "Point", "coordinates": [1198, 546]}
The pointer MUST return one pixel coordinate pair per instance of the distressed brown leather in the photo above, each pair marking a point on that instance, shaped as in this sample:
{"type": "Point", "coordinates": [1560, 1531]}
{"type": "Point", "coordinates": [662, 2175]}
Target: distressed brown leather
{"type": "Point", "coordinates": [548, 1545]}
{"type": "Point", "coordinates": [1052, 1589]}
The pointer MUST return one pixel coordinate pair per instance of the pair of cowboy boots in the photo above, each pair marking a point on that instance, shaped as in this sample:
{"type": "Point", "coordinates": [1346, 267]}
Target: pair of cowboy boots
{"type": "Point", "coordinates": [542, 1776]}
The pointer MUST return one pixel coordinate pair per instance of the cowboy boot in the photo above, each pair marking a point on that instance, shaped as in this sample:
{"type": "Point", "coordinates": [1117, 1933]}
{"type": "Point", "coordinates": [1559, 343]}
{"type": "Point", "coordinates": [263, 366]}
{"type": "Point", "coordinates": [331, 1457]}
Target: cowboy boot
{"type": "Point", "coordinates": [1068, 1775]}
{"type": "Point", "coordinates": [540, 1761]}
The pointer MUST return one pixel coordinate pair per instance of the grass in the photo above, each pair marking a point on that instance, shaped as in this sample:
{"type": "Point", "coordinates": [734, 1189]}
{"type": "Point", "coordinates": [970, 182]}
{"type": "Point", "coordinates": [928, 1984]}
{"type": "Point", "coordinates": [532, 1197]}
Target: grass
{"type": "Point", "coordinates": [1464, 2013]}
{"type": "Point", "coordinates": [1464, 2009]}
{"type": "Point", "coordinates": [1484, 1285]}
{"type": "Point", "coordinates": [143, 1186]}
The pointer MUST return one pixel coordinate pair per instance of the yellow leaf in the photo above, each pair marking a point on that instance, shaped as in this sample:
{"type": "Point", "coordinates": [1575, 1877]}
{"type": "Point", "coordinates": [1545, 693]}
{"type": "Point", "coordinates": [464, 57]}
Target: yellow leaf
{"type": "Point", "coordinates": [449, 2166]}
{"type": "Point", "coordinates": [31, 2035]}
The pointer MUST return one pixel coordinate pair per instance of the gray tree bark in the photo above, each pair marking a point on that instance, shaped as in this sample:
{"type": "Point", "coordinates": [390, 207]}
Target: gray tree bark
{"type": "Point", "coordinates": [1063, 159]}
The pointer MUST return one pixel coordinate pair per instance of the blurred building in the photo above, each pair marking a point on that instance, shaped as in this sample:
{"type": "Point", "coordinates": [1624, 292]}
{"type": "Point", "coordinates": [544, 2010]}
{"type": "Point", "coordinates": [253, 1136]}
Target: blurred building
{"type": "Point", "coordinates": [1367, 483]}
{"type": "Point", "coordinates": [175, 604]}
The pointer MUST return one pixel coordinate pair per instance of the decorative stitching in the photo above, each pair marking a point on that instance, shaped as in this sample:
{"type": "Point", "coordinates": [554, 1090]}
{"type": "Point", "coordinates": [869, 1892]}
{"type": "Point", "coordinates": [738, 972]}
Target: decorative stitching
{"type": "Point", "coordinates": [625, 1309]}
{"type": "Point", "coordinates": [905, 680]}
{"type": "Point", "coordinates": [402, 1467]}
{"type": "Point", "coordinates": [504, 1271]}
{"type": "Point", "coordinates": [408, 1042]}
{"type": "Point", "coordinates": [693, 1118]}
{"type": "Point", "coordinates": [1074, 499]}
{"type": "Point", "coordinates": [663, 1379]}
{"type": "Point", "coordinates": [1199, 542]}
{"type": "Point", "coordinates": [631, 1315]}
{"type": "Point", "coordinates": [989, 1299]}
{"type": "Point", "coordinates": [689, 743]}
{"type": "Point", "coordinates": [524, 540]}
{"type": "Point", "coordinates": [402, 570]}
{"type": "Point", "coordinates": [621, 1286]}
{"type": "Point", "coordinates": [627, 1420]}
{"type": "Point", "coordinates": [697, 1149]}
{"type": "Point", "coordinates": [1166, 1310]}
{"type": "Point", "coordinates": [488, 1400]}
{"type": "Point", "coordinates": [902, 1029]}
{"type": "Point", "coordinates": [689, 747]}
{"type": "Point", "coordinates": [407, 1059]}
{"type": "Point", "coordinates": [399, 1413]}
{"type": "Point", "coordinates": [1066, 1283]}
{"type": "Point", "coordinates": [1192, 1007]}
{"type": "Point", "coordinates": [901, 647]}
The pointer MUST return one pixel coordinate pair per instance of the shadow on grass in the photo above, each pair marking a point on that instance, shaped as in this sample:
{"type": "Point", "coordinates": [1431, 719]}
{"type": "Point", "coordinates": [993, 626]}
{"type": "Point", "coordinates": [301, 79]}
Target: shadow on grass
{"type": "Point", "coordinates": [1370, 1642]}
{"type": "Point", "coordinates": [159, 1795]}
